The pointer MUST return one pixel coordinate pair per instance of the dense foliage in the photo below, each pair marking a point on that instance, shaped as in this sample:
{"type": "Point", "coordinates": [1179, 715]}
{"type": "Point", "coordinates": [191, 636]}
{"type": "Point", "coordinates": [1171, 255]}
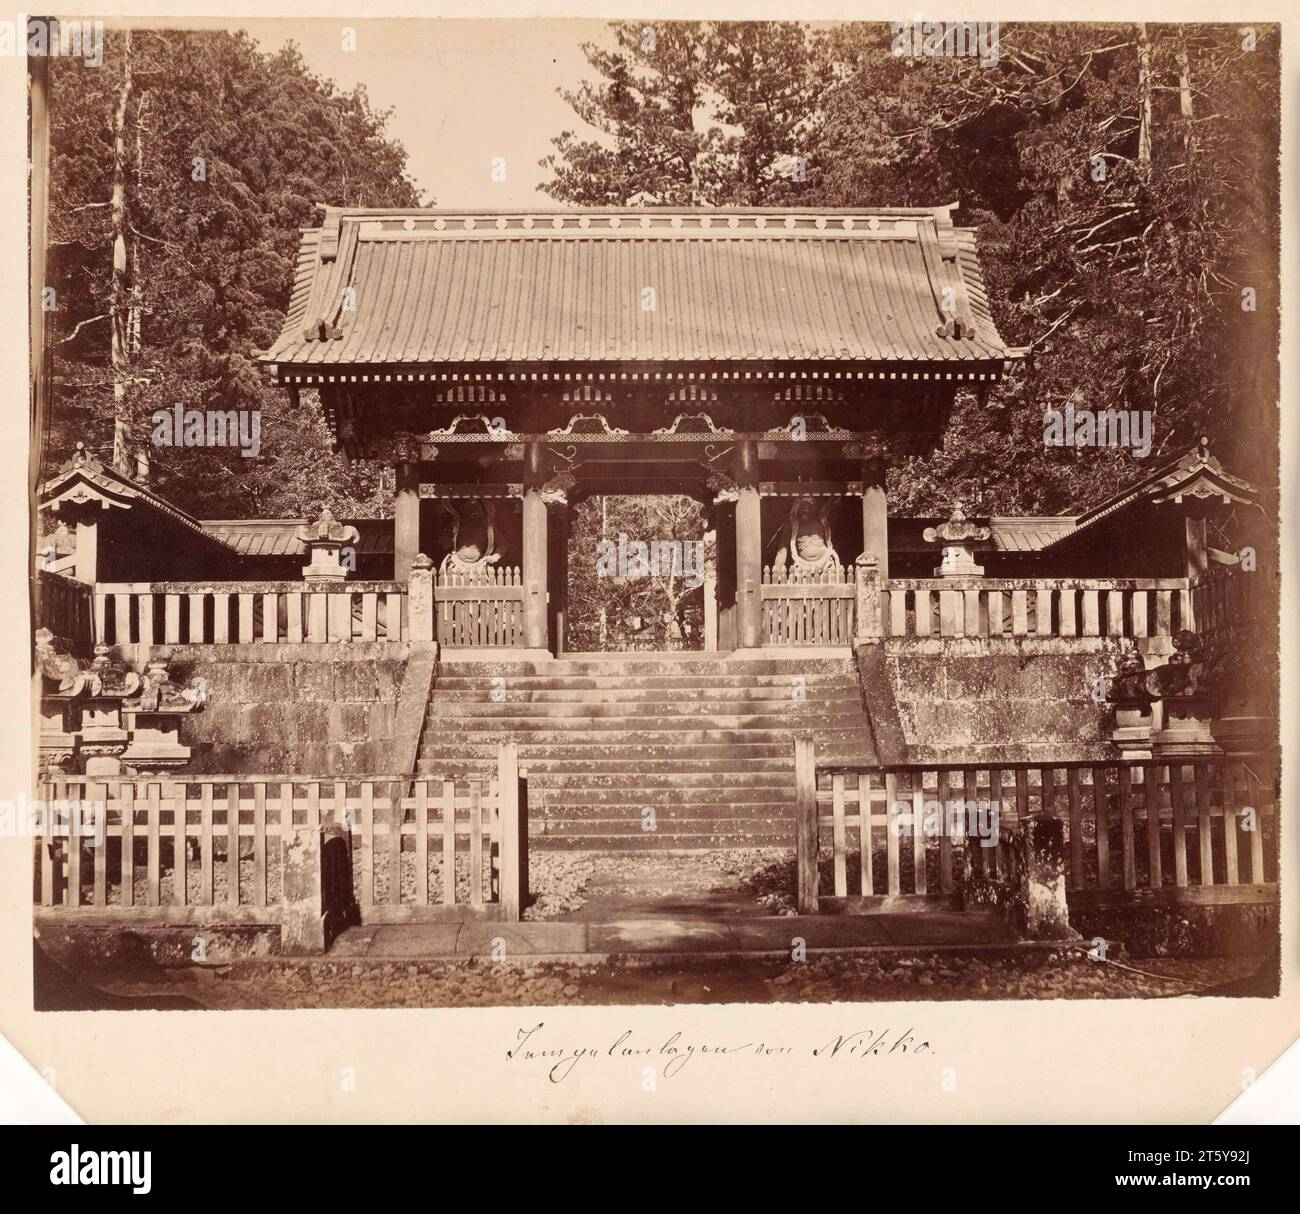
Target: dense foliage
{"type": "Point", "coordinates": [223, 152]}
{"type": "Point", "coordinates": [1123, 179]}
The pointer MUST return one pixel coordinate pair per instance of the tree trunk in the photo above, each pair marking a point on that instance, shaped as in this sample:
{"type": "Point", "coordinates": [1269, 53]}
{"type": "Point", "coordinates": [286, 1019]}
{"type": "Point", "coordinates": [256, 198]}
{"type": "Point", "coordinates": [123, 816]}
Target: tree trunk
{"type": "Point", "coordinates": [1185, 98]}
{"type": "Point", "coordinates": [1144, 101]}
{"type": "Point", "coordinates": [119, 308]}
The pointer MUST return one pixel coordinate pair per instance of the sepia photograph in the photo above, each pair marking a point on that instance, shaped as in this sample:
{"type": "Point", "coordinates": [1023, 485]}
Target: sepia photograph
{"type": "Point", "coordinates": [786, 512]}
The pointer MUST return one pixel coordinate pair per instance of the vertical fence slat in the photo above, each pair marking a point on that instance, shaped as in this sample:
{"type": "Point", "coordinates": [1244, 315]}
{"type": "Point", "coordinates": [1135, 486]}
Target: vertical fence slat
{"type": "Point", "coordinates": [1151, 795]}
{"type": "Point", "coordinates": [144, 611]}
{"type": "Point", "coordinates": [1232, 871]}
{"type": "Point", "coordinates": [153, 861]}
{"type": "Point", "coordinates": [74, 853]}
{"type": "Point", "coordinates": [1043, 612]}
{"type": "Point", "coordinates": [396, 814]}
{"type": "Point", "coordinates": [232, 844]}
{"type": "Point", "coordinates": [992, 865]}
{"type": "Point", "coordinates": [1253, 787]}
{"type": "Point", "coordinates": [100, 850]}
{"type": "Point", "coordinates": [367, 843]}
{"type": "Point", "coordinates": [838, 833]}
{"type": "Point", "coordinates": [1102, 811]}
{"type": "Point", "coordinates": [1138, 609]}
{"type": "Point", "coordinates": [180, 857]}
{"type": "Point", "coordinates": [196, 618]}
{"type": "Point", "coordinates": [1076, 825]}
{"type": "Point", "coordinates": [270, 618]}
{"type": "Point", "coordinates": [1125, 788]}
{"type": "Point", "coordinates": [476, 843]}
{"type": "Point", "coordinates": [422, 842]}
{"type": "Point", "coordinates": [1204, 836]}
{"type": "Point", "coordinates": [893, 876]}
{"type": "Point", "coordinates": [1180, 824]}
{"type": "Point", "coordinates": [920, 881]}
{"type": "Point", "coordinates": [127, 793]}
{"type": "Point", "coordinates": [259, 844]}
{"type": "Point", "coordinates": [221, 619]}
{"type": "Point", "coordinates": [172, 619]}
{"type": "Point", "coordinates": [205, 845]}
{"type": "Point", "coordinates": [448, 842]}
{"type": "Point", "coordinates": [945, 842]}
{"type": "Point", "coordinates": [867, 877]}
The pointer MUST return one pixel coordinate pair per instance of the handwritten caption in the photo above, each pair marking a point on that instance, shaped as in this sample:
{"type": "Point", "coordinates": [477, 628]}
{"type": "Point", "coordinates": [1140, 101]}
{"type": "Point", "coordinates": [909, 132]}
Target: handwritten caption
{"type": "Point", "coordinates": [675, 1052]}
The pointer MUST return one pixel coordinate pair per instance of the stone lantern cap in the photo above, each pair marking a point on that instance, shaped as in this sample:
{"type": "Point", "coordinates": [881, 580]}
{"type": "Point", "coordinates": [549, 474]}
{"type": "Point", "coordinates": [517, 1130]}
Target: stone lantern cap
{"type": "Point", "coordinates": [324, 539]}
{"type": "Point", "coordinates": [958, 537]}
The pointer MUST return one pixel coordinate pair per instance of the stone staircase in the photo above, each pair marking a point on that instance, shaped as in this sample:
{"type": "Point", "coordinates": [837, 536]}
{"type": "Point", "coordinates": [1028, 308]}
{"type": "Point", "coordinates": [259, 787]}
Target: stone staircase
{"type": "Point", "coordinates": [698, 748]}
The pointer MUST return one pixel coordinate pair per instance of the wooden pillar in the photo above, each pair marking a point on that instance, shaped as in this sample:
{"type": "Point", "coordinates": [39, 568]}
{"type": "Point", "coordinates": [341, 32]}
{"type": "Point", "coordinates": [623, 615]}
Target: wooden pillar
{"type": "Point", "coordinates": [725, 528]}
{"type": "Point", "coordinates": [406, 520]}
{"type": "Point", "coordinates": [1198, 553]}
{"type": "Point", "coordinates": [875, 517]}
{"type": "Point", "coordinates": [87, 552]}
{"type": "Point", "coordinates": [710, 590]}
{"type": "Point", "coordinates": [749, 547]}
{"type": "Point", "coordinates": [558, 578]}
{"type": "Point", "coordinates": [535, 552]}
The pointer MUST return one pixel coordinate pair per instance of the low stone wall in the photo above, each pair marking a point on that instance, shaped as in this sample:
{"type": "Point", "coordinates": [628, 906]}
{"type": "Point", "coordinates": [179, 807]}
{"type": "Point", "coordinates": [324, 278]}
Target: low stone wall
{"type": "Point", "coordinates": [997, 699]}
{"type": "Point", "coordinates": [293, 709]}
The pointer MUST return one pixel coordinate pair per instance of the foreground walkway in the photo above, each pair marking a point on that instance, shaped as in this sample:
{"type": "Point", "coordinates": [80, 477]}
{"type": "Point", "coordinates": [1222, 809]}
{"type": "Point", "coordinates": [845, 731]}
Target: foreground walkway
{"type": "Point", "coordinates": [664, 934]}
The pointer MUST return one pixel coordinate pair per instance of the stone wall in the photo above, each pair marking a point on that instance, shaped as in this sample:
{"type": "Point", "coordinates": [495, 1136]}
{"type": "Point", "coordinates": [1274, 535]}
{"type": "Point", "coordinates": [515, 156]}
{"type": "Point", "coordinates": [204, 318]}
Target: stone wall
{"type": "Point", "coordinates": [1001, 699]}
{"type": "Point", "coordinates": [293, 709]}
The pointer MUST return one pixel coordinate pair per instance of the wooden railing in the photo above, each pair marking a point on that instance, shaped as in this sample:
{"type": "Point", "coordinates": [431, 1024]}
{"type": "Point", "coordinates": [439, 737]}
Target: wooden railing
{"type": "Point", "coordinates": [1226, 599]}
{"type": "Point", "coordinates": [209, 849]}
{"type": "Point", "coordinates": [230, 613]}
{"type": "Point", "coordinates": [474, 610]}
{"type": "Point", "coordinates": [802, 609]}
{"type": "Point", "coordinates": [63, 605]}
{"type": "Point", "coordinates": [1042, 607]}
{"type": "Point", "coordinates": [1199, 829]}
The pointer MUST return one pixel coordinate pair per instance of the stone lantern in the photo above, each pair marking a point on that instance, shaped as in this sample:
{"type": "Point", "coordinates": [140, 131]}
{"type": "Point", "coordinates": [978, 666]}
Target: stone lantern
{"type": "Point", "coordinates": [1132, 704]}
{"type": "Point", "coordinates": [958, 537]}
{"type": "Point", "coordinates": [1188, 703]}
{"type": "Point", "coordinates": [324, 540]}
{"type": "Point", "coordinates": [104, 735]}
{"type": "Point", "coordinates": [154, 720]}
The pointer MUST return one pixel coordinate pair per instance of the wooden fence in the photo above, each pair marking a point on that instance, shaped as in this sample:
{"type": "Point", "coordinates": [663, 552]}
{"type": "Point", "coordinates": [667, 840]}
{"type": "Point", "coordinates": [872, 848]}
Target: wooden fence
{"type": "Point", "coordinates": [231, 613]}
{"type": "Point", "coordinates": [63, 605]}
{"type": "Point", "coordinates": [803, 609]}
{"type": "Point", "coordinates": [209, 849]}
{"type": "Point", "coordinates": [474, 610]}
{"type": "Point", "coordinates": [1202, 829]}
{"type": "Point", "coordinates": [1229, 598]}
{"type": "Point", "coordinates": [1043, 607]}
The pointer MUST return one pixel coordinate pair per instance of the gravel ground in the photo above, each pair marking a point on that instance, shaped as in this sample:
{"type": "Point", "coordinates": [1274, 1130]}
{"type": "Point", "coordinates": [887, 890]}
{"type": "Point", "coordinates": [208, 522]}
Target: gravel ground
{"type": "Point", "coordinates": [847, 978]}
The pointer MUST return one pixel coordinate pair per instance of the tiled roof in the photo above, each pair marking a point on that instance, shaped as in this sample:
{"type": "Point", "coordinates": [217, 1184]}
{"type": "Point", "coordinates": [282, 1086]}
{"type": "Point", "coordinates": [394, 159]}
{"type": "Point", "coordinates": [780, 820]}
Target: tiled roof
{"type": "Point", "coordinates": [278, 536]}
{"type": "Point", "coordinates": [425, 287]}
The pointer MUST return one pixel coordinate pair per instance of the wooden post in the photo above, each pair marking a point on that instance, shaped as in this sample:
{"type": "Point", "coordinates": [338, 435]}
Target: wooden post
{"type": "Point", "coordinates": [868, 628]}
{"type": "Point", "coordinates": [535, 569]}
{"type": "Point", "coordinates": [87, 569]}
{"type": "Point", "coordinates": [805, 791]}
{"type": "Point", "coordinates": [749, 548]}
{"type": "Point", "coordinates": [875, 518]}
{"type": "Point", "coordinates": [419, 595]}
{"type": "Point", "coordinates": [1198, 557]}
{"type": "Point", "coordinates": [514, 832]}
{"type": "Point", "coordinates": [406, 520]}
{"type": "Point", "coordinates": [710, 594]}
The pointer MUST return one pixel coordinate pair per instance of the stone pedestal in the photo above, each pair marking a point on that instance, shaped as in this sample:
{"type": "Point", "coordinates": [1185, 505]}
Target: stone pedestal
{"type": "Point", "coordinates": [1186, 728]}
{"type": "Point", "coordinates": [316, 889]}
{"type": "Point", "coordinates": [155, 741]}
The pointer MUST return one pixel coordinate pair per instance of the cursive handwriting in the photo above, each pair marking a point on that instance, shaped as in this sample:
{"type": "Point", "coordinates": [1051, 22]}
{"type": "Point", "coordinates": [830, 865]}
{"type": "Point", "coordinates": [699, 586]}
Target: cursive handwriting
{"type": "Point", "coordinates": [673, 1053]}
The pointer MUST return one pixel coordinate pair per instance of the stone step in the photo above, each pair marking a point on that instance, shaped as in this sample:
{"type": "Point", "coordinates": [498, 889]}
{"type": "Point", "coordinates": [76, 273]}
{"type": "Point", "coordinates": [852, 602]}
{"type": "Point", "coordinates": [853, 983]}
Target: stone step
{"type": "Point", "coordinates": [608, 772]}
{"type": "Point", "coordinates": [677, 796]}
{"type": "Point", "coordinates": [709, 729]}
{"type": "Point", "coordinates": [808, 708]}
{"type": "Point", "coordinates": [631, 816]}
{"type": "Point", "coordinates": [696, 824]}
{"type": "Point", "coordinates": [845, 680]}
{"type": "Point", "coordinates": [638, 668]}
{"type": "Point", "coordinates": [711, 692]}
{"type": "Point", "coordinates": [677, 725]}
{"type": "Point", "coordinates": [703, 837]}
